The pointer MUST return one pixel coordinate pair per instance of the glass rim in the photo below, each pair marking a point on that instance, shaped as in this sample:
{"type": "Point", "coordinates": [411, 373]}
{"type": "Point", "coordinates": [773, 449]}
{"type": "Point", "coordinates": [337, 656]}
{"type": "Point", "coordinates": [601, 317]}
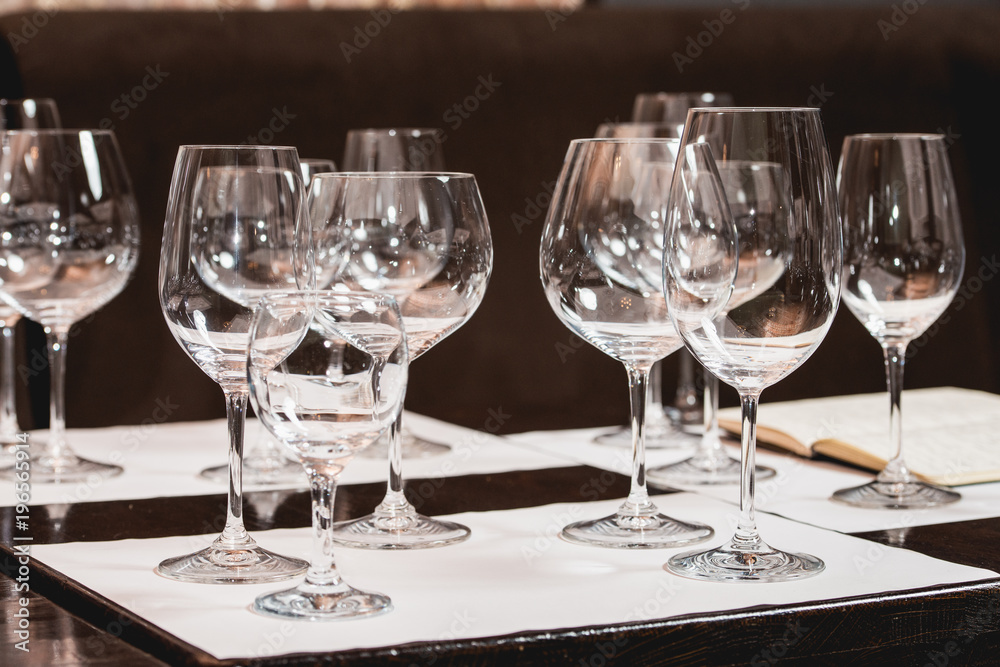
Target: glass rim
{"type": "Point", "coordinates": [683, 93]}
{"type": "Point", "coordinates": [625, 140]}
{"type": "Point", "coordinates": [755, 109]}
{"type": "Point", "coordinates": [383, 175]}
{"type": "Point", "coordinates": [894, 136]}
{"type": "Point", "coordinates": [52, 131]}
{"type": "Point", "coordinates": [306, 294]}
{"type": "Point", "coordinates": [408, 130]}
{"type": "Point", "coordinates": [249, 147]}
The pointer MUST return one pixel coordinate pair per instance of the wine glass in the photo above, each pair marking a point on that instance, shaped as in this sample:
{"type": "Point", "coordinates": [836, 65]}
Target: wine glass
{"type": "Point", "coordinates": [312, 166]}
{"type": "Point", "coordinates": [666, 113]}
{"type": "Point", "coordinates": [755, 192]}
{"type": "Point", "coordinates": [423, 238]}
{"type": "Point", "coordinates": [235, 229]}
{"type": "Point", "coordinates": [779, 303]}
{"type": "Point", "coordinates": [26, 114]}
{"type": "Point", "coordinates": [601, 268]}
{"type": "Point", "coordinates": [394, 149]}
{"type": "Point", "coordinates": [327, 377]}
{"type": "Point", "coordinates": [69, 242]}
{"type": "Point", "coordinates": [903, 262]}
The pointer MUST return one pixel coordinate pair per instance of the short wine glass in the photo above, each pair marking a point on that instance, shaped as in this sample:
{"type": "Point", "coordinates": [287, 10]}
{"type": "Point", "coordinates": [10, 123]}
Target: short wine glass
{"type": "Point", "coordinates": [394, 149]}
{"type": "Point", "coordinates": [903, 262]}
{"type": "Point", "coordinates": [777, 306]}
{"type": "Point", "coordinates": [235, 229]}
{"type": "Point", "coordinates": [312, 166]}
{"type": "Point", "coordinates": [422, 237]}
{"type": "Point", "coordinates": [754, 190]}
{"type": "Point", "coordinates": [327, 377]}
{"type": "Point", "coordinates": [601, 268]}
{"type": "Point", "coordinates": [69, 243]}
{"type": "Point", "coordinates": [25, 114]}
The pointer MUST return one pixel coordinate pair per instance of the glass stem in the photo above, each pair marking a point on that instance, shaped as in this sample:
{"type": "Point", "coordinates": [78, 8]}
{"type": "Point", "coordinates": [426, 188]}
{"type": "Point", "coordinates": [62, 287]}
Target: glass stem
{"type": "Point", "coordinates": [686, 389]}
{"type": "Point", "coordinates": [235, 535]}
{"type": "Point", "coordinates": [895, 471]}
{"type": "Point", "coordinates": [56, 447]}
{"type": "Point", "coordinates": [710, 446]}
{"type": "Point", "coordinates": [8, 404]}
{"type": "Point", "coordinates": [395, 502]}
{"type": "Point", "coordinates": [638, 503]}
{"type": "Point", "coordinates": [655, 398]}
{"type": "Point", "coordinates": [322, 571]}
{"type": "Point", "coordinates": [746, 536]}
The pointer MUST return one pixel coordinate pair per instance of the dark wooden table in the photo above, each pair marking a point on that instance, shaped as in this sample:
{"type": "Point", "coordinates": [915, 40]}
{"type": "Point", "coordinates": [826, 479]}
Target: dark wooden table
{"type": "Point", "coordinates": [939, 626]}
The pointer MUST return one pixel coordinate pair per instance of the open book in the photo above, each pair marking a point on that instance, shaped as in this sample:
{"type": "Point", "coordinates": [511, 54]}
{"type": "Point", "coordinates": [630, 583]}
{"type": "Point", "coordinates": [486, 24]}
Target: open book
{"type": "Point", "coordinates": [950, 436]}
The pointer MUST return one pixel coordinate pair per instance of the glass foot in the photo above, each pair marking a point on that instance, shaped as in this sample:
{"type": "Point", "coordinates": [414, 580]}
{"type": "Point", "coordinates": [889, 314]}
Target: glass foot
{"type": "Point", "coordinates": [620, 531]}
{"type": "Point", "coordinates": [261, 471]}
{"type": "Point", "coordinates": [310, 603]}
{"type": "Point", "coordinates": [896, 495]}
{"type": "Point", "coordinates": [413, 448]}
{"type": "Point", "coordinates": [246, 564]}
{"type": "Point", "coordinates": [401, 531]}
{"type": "Point", "coordinates": [657, 437]}
{"type": "Point", "coordinates": [733, 563]}
{"type": "Point", "coordinates": [699, 470]}
{"type": "Point", "coordinates": [67, 468]}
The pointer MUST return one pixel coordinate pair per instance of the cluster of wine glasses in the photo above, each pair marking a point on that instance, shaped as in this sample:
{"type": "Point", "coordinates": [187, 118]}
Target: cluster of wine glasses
{"type": "Point", "coordinates": [69, 243]}
{"type": "Point", "coordinates": [334, 284]}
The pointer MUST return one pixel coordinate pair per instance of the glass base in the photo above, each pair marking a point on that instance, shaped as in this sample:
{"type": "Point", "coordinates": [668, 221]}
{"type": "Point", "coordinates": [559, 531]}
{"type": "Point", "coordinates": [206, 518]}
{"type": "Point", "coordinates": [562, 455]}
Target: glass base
{"type": "Point", "coordinates": [402, 531]}
{"type": "Point", "coordinates": [68, 468]}
{"type": "Point", "coordinates": [413, 448]}
{"type": "Point", "coordinates": [261, 471]}
{"type": "Point", "coordinates": [699, 470]}
{"type": "Point", "coordinates": [619, 531]}
{"type": "Point", "coordinates": [247, 564]}
{"type": "Point", "coordinates": [896, 496]}
{"type": "Point", "coordinates": [307, 603]}
{"type": "Point", "coordinates": [657, 437]}
{"type": "Point", "coordinates": [731, 563]}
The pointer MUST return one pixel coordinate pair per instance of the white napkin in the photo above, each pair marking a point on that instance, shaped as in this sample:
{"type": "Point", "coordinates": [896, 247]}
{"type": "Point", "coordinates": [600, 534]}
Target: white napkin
{"type": "Point", "coordinates": [513, 575]}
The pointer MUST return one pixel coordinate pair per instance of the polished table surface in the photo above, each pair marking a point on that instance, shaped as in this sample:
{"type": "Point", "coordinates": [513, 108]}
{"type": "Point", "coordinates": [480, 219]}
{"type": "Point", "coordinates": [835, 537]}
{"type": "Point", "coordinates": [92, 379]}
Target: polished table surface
{"type": "Point", "coordinates": [954, 624]}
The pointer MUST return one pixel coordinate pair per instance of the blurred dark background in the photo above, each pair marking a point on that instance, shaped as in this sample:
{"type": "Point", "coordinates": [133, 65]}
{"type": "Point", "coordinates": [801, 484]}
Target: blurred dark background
{"type": "Point", "coordinates": [305, 78]}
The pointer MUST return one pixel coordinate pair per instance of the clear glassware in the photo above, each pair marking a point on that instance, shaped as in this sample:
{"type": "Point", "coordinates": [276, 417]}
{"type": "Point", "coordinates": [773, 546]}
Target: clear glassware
{"type": "Point", "coordinates": [422, 237]}
{"type": "Point", "coordinates": [327, 377]}
{"type": "Point", "coordinates": [397, 149]}
{"type": "Point", "coordinates": [69, 242]}
{"type": "Point", "coordinates": [25, 114]}
{"type": "Point", "coordinates": [312, 166]}
{"type": "Point", "coordinates": [601, 268]}
{"type": "Point", "coordinates": [751, 189]}
{"type": "Point", "coordinates": [903, 262]}
{"type": "Point", "coordinates": [667, 112]}
{"type": "Point", "coordinates": [753, 305]}
{"type": "Point", "coordinates": [235, 229]}
{"type": "Point", "coordinates": [394, 149]}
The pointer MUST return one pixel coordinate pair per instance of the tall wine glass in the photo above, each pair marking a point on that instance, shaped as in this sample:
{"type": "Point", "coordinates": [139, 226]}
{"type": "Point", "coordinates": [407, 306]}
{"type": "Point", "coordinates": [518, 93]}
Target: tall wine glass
{"type": "Point", "coordinates": [235, 229]}
{"type": "Point", "coordinates": [748, 335]}
{"type": "Point", "coordinates": [423, 238]}
{"type": "Point", "coordinates": [397, 149]}
{"type": "Point", "coordinates": [601, 268]}
{"type": "Point", "coordinates": [903, 262]}
{"type": "Point", "coordinates": [756, 193]}
{"type": "Point", "coordinates": [394, 149]}
{"type": "Point", "coordinates": [327, 378]}
{"type": "Point", "coordinates": [69, 242]}
{"type": "Point", "coordinates": [26, 114]}
{"type": "Point", "coordinates": [666, 113]}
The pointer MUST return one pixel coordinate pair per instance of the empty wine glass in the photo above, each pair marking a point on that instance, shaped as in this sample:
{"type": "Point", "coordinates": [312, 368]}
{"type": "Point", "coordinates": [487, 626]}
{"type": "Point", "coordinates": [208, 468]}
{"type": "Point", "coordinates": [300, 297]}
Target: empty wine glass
{"type": "Point", "coordinates": [601, 268]}
{"type": "Point", "coordinates": [235, 229]}
{"type": "Point", "coordinates": [327, 378]}
{"type": "Point", "coordinates": [397, 149]}
{"type": "Point", "coordinates": [26, 114]}
{"type": "Point", "coordinates": [69, 242]}
{"type": "Point", "coordinates": [666, 113]}
{"type": "Point", "coordinates": [423, 238]}
{"type": "Point", "coordinates": [754, 190]}
{"type": "Point", "coordinates": [394, 149]}
{"type": "Point", "coordinates": [312, 166]}
{"type": "Point", "coordinates": [903, 262]}
{"type": "Point", "coordinates": [779, 301]}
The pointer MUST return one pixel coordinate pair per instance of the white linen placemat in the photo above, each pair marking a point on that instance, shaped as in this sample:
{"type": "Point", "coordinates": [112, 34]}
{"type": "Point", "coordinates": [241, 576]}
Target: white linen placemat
{"type": "Point", "coordinates": [513, 575]}
{"type": "Point", "coordinates": [800, 490]}
{"type": "Point", "coordinates": [165, 459]}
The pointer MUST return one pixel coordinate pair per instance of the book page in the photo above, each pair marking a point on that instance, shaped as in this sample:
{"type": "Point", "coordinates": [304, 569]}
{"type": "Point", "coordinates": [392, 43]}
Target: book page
{"type": "Point", "coordinates": [950, 435]}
